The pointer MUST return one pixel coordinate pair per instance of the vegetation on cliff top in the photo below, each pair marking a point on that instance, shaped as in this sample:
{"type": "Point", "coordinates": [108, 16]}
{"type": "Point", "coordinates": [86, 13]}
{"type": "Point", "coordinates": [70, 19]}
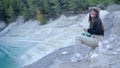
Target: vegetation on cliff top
{"type": "Point", "coordinates": [44, 9]}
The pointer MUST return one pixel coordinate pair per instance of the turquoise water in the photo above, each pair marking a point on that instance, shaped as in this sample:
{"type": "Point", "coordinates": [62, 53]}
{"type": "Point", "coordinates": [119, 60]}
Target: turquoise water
{"type": "Point", "coordinates": [10, 54]}
{"type": "Point", "coordinates": [8, 62]}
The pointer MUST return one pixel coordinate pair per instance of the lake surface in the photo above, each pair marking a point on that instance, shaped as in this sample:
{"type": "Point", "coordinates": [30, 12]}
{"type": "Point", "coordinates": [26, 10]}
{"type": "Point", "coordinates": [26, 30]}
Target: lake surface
{"type": "Point", "coordinates": [8, 62]}
{"type": "Point", "coordinates": [10, 54]}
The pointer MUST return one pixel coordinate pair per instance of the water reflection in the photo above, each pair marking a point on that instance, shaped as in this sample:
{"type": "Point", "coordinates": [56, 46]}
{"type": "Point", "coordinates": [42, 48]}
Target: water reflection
{"type": "Point", "coordinates": [8, 62]}
{"type": "Point", "coordinates": [10, 54]}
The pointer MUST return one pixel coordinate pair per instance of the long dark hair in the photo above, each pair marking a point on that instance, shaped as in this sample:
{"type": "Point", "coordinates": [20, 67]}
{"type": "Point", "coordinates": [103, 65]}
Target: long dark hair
{"type": "Point", "coordinates": [97, 17]}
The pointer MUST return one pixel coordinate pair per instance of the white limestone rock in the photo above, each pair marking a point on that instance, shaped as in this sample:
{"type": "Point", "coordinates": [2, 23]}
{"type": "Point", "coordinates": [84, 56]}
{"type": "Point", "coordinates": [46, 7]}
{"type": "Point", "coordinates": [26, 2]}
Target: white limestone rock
{"type": "Point", "coordinates": [109, 47]}
{"type": "Point", "coordinates": [116, 28]}
{"type": "Point", "coordinates": [114, 53]}
{"type": "Point", "coordinates": [65, 52]}
{"type": "Point", "coordinates": [118, 50]}
{"type": "Point", "coordinates": [94, 55]}
{"type": "Point", "coordinates": [119, 43]}
{"type": "Point", "coordinates": [105, 42]}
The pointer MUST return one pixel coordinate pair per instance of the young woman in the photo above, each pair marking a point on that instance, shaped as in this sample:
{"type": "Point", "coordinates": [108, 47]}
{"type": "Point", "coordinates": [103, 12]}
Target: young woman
{"type": "Point", "coordinates": [96, 29]}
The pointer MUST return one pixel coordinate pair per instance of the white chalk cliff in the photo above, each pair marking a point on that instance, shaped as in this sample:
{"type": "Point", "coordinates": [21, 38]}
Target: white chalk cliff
{"type": "Point", "coordinates": [40, 41]}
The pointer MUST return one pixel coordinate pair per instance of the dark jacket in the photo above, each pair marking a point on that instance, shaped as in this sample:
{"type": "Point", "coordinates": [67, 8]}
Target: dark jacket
{"type": "Point", "coordinates": [96, 28]}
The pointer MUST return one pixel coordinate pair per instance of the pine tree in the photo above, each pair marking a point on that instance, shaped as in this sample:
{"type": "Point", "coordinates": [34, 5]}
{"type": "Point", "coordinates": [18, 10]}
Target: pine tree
{"type": "Point", "coordinates": [10, 14]}
{"type": "Point", "coordinates": [117, 1]}
{"type": "Point", "coordinates": [1, 11]}
{"type": "Point", "coordinates": [56, 7]}
{"type": "Point", "coordinates": [32, 7]}
{"type": "Point", "coordinates": [96, 2]}
{"type": "Point", "coordinates": [10, 9]}
{"type": "Point", "coordinates": [46, 6]}
{"type": "Point", "coordinates": [40, 17]}
{"type": "Point", "coordinates": [25, 13]}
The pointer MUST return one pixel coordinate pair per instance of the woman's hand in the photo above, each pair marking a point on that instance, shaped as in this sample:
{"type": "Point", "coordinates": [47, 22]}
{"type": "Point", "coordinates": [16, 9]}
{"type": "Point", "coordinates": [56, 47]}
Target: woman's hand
{"type": "Point", "coordinates": [86, 30]}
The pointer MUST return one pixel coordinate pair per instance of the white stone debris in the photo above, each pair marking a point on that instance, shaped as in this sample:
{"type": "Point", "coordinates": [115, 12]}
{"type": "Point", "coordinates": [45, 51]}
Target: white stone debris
{"type": "Point", "coordinates": [105, 42]}
{"type": "Point", "coordinates": [94, 55]}
{"type": "Point", "coordinates": [118, 50]}
{"type": "Point", "coordinates": [109, 47]}
{"type": "Point", "coordinates": [65, 52]}
{"type": "Point", "coordinates": [114, 53]}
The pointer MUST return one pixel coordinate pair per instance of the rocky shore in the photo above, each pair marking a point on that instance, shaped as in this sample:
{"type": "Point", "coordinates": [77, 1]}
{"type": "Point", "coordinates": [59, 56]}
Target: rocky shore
{"type": "Point", "coordinates": [108, 57]}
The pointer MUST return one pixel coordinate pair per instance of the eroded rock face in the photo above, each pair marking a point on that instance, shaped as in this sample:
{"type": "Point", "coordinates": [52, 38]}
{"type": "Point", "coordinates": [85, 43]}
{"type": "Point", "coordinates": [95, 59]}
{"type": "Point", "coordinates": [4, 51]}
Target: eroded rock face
{"type": "Point", "coordinates": [48, 38]}
{"type": "Point", "coordinates": [116, 28]}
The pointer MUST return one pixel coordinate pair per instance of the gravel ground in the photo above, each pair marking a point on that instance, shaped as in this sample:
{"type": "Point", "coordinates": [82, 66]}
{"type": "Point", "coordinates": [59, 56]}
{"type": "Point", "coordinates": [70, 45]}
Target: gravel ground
{"type": "Point", "coordinates": [62, 54]}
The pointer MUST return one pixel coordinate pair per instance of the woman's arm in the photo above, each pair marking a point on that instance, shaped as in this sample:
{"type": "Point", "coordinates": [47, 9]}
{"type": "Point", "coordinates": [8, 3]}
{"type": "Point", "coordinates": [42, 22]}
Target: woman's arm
{"type": "Point", "coordinates": [97, 29]}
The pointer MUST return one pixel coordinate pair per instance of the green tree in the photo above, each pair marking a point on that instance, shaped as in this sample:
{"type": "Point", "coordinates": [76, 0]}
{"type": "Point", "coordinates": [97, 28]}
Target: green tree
{"type": "Point", "coordinates": [40, 17]}
{"type": "Point", "coordinates": [56, 7]}
{"type": "Point", "coordinates": [10, 9]}
{"type": "Point", "coordinates": [2, 12]}
{"type": "Point", "coordinates": [72, 4]}
{"type": "Point", "coordinates": [25, 13]}
{"type": "Point", "coordinates": [45, 6]}
{"type": "Point", "coordinates": [10, 14]}
{"type": "Point", "coordinates": [32, 7]}
{"type": "Point", "coordinates": [96, 2]}
{"type": "Point", "coordinates": [117, 1]}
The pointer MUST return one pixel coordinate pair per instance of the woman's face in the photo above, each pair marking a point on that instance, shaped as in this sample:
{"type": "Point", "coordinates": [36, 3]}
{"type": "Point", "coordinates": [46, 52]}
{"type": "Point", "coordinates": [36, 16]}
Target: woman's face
{"type": "Point", "coordinates": [92, 13]}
